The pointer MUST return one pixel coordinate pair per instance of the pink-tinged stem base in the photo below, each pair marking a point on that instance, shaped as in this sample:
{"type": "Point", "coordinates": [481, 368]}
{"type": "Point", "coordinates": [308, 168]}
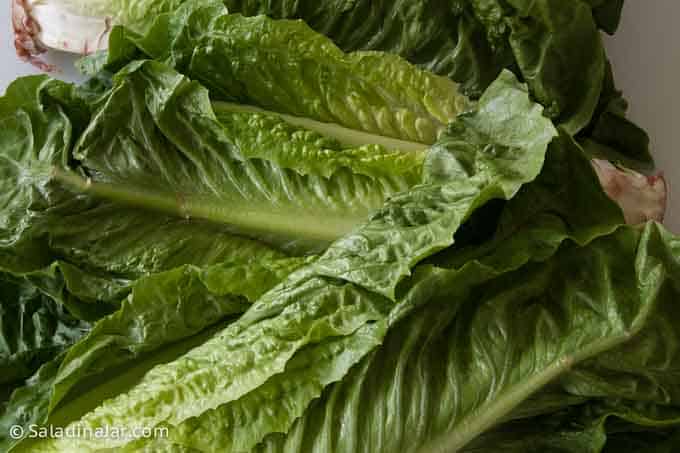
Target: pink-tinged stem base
{"type": "Point", "coordinates": [26, 35]}
{"type": "Point", "coordinates": [41, 26]}
{"type": "Point", "coordinates": [642, 198]}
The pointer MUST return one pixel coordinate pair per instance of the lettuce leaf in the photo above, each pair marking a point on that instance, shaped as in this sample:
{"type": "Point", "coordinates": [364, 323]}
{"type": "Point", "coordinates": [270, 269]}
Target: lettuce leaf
{"type": "Point", "coordinates": [92, 203]}
{"type": "Point", "coordinates": [324, 310]}
{"type": "Point", "coordinates": [165, 315]}
{"type": "Point", "coordinates": [198, 174]}
{"type": "Point", "coordinates": [462, 297]}
{"type": "Point", "coordinates": [611, 135]}
{"type": "Point", "coordinates": [554, 46]}
{"type": "Point", "coordinates": [471, 41]}
{"type": "Point", "coordinates": [42, 221]}
{"type": "Point", "coordinates": [594, 427]}
{"type": "Point", "coordinates": [372, 92]}
{"type": "Point", "coordinates": [59, 153]}
{"type": "Point", "coordinates": [456, 297]}
{"type": "Point", "coordinates": [546, 40]}
{"type": "Point", "coordinates": [33, 328]}
{"type": "Point", "coordinates": [443, 369]}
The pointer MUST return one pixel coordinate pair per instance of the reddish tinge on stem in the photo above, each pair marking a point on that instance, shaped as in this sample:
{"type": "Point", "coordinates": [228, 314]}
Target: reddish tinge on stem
{"type": "Point", "coordinates": [41, 26]}
{"type": "Point", "coordinates": [642, 198]}
{"type": "Point", "coordinates": [27, 35]}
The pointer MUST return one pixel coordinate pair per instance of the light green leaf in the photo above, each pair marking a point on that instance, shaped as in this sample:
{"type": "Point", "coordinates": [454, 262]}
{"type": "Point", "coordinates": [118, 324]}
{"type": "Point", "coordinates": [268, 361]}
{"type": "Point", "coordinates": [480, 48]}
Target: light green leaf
{"type": "Point", "coordinates": [487, 154]}
{"type": "Point", "coordinates": [546, 40]}
{"type": "Point", "coordinates": [372, 92]}
{"type": "Point", "coordinates": [165, 315]}
{"type": "Point", "coordinates": [250, 360]}
{"type": "Point", "coordinates": [255, 352]}
{"type": "Point", "coordinates": [189, 167]}
{"type": "Point", "coordinates": [42, 221]}
{"type": "Point", "coordinates": [103, 214]}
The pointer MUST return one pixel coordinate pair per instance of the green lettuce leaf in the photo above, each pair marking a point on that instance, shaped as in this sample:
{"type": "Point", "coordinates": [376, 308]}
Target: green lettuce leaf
{"type": "Point", "coordinates": [443, 369]}
{"type": "Point", "coordinates": [472, 41]}
{"type": "Point", "coordinates": [116, 210]}
{"type": "Point", "coordinates": [33, 328]}
{"type": "Point", "coordinates": [442, 37]}
{"type": "Point", "coordinates": [645, 368]}
{"type": "Point", "coordinates": [29, 127]}
{"type": "Point", "coordinates": [28, 404]}
{"type": "Point", "coordinates": [42, 221]}
{"type": "Point", "coordinates": [190, 169]}
{"type": "Point", "coordinates": [165, 315]}
{"type": "Point", "coordinates": [549, 39]}
{"type": "Point", "coordinates": [323, 310]}
{"type": "Point", "coordinates": [378, 93]}
{"type": "Point", "coordinates": [607, 14]}
{"type": "Point", "coordinates": [487, 154]}
{"type": "Point", "coordinates": [596, 427]}
{"type": "Point", "coordinates": [554, 44]}
{"type": "Point", "coordinates": [614, 137]}
{"type": "Point", "coordinates": [544, 214]}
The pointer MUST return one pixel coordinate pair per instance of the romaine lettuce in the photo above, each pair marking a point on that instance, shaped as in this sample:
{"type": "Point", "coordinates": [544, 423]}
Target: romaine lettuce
{"type": "Point", "coordinates": [341, 305]}
{"type": "Point", "coordinates": [274, 239]}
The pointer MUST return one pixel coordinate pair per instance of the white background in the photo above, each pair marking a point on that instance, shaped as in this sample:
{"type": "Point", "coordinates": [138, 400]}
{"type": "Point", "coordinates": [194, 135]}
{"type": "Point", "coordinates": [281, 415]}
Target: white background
{"type": "Point", "coordinates": [646, 56]}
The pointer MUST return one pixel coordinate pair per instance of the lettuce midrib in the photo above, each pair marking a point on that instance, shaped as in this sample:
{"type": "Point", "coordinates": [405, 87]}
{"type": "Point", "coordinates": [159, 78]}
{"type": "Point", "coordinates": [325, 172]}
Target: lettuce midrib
{"type": "Point", "coordinates": [292, 220]}
{"type": "Point", "coordinates": [344, 135]}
